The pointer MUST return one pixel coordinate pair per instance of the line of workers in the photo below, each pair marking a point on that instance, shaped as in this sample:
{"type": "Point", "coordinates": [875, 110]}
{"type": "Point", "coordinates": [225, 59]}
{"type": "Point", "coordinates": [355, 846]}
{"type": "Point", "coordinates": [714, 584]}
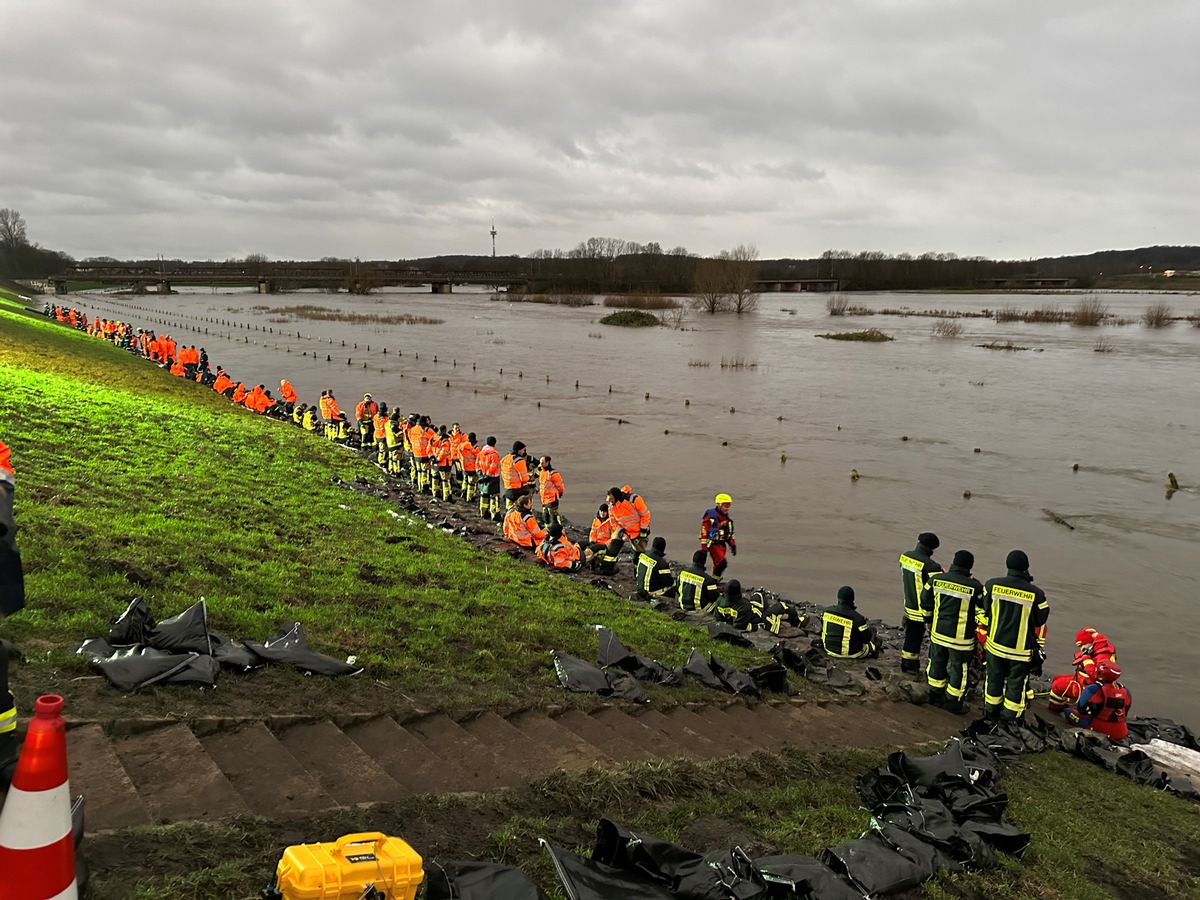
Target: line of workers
{"type": "Point", "coordinates": [994, 632]}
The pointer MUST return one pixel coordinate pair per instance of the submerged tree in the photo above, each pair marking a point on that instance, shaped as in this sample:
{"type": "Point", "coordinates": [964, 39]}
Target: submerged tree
{"type": "Point", "coordinates": [742, 273]}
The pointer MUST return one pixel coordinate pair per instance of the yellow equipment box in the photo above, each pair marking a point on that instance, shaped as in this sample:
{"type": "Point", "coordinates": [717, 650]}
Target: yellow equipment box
{"type": "Point", "coordinates": [345, 868]}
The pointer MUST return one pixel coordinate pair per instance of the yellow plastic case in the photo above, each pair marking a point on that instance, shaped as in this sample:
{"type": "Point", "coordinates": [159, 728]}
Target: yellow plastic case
{"type": "Point", "coordinates": [342, 869]}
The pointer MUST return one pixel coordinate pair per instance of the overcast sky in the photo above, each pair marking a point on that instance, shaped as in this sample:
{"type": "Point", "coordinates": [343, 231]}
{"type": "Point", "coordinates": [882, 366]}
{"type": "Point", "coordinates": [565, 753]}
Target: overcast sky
{"type": "Point", "coordinates": [385, 129]}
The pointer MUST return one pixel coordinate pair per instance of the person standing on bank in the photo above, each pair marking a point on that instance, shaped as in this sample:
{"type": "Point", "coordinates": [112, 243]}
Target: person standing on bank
{"type": "Point", "coordinates": [716, 534]}
{"type": "Point", "coordinates": [916, 568]}
{"type": "Point", "coordinates": [953, 601]}
{"type": "Point", "coordinates": [1016, 612]}
{"type": "Point", "coordinates": [12, 600]}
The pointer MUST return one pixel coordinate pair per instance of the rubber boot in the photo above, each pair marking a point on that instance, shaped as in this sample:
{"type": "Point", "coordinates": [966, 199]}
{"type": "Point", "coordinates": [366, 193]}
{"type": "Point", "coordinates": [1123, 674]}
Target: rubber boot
{"type": "Point", "coordinates": [910, 666]}
{"type": "Point", "coordinates": [956, 706]}
{"type": "Point", "coordinates": [937, 697]}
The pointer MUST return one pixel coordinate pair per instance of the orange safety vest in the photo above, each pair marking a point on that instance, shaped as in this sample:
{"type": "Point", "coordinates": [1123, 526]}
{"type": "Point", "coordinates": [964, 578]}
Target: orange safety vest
{"type": "Point", "coordinates": [239, 393]}
{"type": "Point", "coordinates": [365, 410]}
{"type": "Point", "coordinates": [551, 486]}
{"type": "Point", "coordinates": [487, 461]}
{"type": "Point", "coordinates": [380, 427]}
{"type": "Point", "coordinates": [418, 441]}
{"type": "Point", "coordinates": [521, 527]}
{"type": "Point", "coordinates": [6, 469]}
{"type": "Point", "coordinates": [562, 554]}
{"type": "Point", "coordinates": [223, 383]}
{"type": "Point", "coordinates": [287, 392]}
{"type": "Point", "coordinates": [513, 472]}
{"type": "Point", "coordinates": [466, 455]}
{"type": "Point", "coordinates": [626, 517]}
{"type": "Point", "coordinates": [602, 530]}
{"type": "Point", "coordinates": [177, 368]}
{"type": "Point", "coordinates": [639, 504]}
{"type": "Point", "coordinates": [335, 411]}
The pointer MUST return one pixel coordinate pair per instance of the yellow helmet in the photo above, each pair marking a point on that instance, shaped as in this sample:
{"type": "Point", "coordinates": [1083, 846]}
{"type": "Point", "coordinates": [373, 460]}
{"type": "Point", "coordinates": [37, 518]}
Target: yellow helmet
{"type": "Point", "coordinates": [724, 498]}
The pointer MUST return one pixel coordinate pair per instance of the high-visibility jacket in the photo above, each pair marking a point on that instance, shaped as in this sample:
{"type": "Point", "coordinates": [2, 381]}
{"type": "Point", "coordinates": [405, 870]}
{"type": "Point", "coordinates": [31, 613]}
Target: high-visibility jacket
{"type": "Point", "coordinates": [286, 391]}
{"type": "Point", "coordinates": [335, 411]}
{"type": "Point", "coordinates": [310, 419]}
{"type": "Point", "coordinates": [457, 439]}
{"type": "Point", "coordinates": [917, 566]}
{"type": "Point", "coordinates": [251, 399]}
{"type": "Point", "coordinates": [177, 369]}
{"type": "Point", "coordinates": [639, 504]}
{"type": "Point", "coordinates": [550, 485]}
{"type": "Point", "coordinates": [395, 433]}
{"type": "Point", "coordinates": [239, 393]}
{"type": "Point", "coordinates": [366, 409]}
{"type": "Point", "coordinates": [602, 530]}
{"type": "Point", "coordinates": [466, 455]}
{"type": "Point", "coordinates": [654, 574]}
{"type": "Point", "coordinates": [441, 453]}
{"type": "Point", "coordinates": [418, 442]}
{"type": "Point", "coordinates": [6, 470]}
{"type": "Point", "coordinates": [697, 589]}
{"type": "Point", "coordinates": [845, 632]}
{"type": "Point", "coordinates": [487, 461]}
{"type": "Point", "coordinates": [559, 554]}
{"type": "Point", "coordinates": [626, 517]}
{"type": "Point", "coordinates": [952, 603]}
{"type": "Point", "coordinates": [1016, 612]}
{"type": "Point", "coordinates": [521, 527]}
{"type": "Point", "coordinates": [297, 416]}
{"type": "Point", "coordinates": [223, 383]}
{"type": "Point", "coordinates": [513, 472]}
{"type": "Point", "coordinates": [381, 423]}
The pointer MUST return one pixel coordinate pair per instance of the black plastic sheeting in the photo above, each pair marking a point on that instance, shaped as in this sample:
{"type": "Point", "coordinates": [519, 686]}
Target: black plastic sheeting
{"type": "Point", "coordinates": [1143, 731]}
{"type": "Point", "coordinates": [718, 674]}
{"type": "Point", "coordinates": [140, 652]}
{"type": "Point", "coordinates": [582, 677]}
{"type": "Point", "coordinates": [1133, 764]}
{"type": "Point", "coordinates": [612, 652]}
{"type": "Point", "coordinates": [478, 881]}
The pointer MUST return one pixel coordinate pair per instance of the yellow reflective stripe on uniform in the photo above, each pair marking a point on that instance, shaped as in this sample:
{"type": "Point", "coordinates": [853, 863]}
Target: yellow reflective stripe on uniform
{"type": "Point", "coordinates": [692, 578]}
{"type": "Point", "coordinates": [963, 594]}
{"type": "Point", "coordinates": [8, 719]}
{"type": "Point", "coordinates": [912, 565]}
{"type": "Point", "coordinates": [1007, 652]}
{"type": "Point", "coordinates": [846, 626]}
{"type": "Point", "coordinates": [1014, 595]}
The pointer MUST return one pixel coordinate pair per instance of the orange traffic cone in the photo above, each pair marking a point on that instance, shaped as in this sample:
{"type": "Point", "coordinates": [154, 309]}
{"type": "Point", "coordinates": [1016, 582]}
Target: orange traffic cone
{"type": "Point", "coordinates": [37, 851]}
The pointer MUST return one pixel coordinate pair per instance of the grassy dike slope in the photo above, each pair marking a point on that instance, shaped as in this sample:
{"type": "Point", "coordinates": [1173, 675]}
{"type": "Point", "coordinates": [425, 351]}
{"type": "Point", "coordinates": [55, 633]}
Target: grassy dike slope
{"type": "Point", "coordinates": [125, 471]}
{"type": "Point", "coordinates": [120, 465]}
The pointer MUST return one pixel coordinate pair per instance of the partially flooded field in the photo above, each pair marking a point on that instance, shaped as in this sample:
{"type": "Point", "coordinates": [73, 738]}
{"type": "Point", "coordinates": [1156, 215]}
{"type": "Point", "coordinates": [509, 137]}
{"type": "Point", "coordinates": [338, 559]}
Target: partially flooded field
{"type": "Point", "coordinates": [1058, 449]}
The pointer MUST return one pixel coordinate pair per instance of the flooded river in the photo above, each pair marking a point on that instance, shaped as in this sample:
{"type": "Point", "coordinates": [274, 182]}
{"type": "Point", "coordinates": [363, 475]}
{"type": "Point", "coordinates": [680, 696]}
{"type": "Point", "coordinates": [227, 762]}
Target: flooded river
{"type": "Point", "coordinates": [1130, 567]}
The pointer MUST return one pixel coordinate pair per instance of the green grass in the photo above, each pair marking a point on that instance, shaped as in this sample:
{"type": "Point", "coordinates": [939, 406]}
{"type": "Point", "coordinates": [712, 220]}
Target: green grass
{"type": "Point", "coordinates": [1093, 833]}
{"type": "Point", "coordinates": [630, 318]}
{"type": "Point", "coordinates": [122, 467]}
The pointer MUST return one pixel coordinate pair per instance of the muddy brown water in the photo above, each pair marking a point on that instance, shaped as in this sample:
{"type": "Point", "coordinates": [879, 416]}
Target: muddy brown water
{"type": "Point", "coordinates": [1130, 566]}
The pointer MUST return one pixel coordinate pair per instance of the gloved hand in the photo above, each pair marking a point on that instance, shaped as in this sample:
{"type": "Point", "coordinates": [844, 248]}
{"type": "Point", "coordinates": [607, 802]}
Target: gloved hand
{"type": "Point", "coordinates": [733, 549]}
{"type": "Point", "coordinates": [1039, 657]}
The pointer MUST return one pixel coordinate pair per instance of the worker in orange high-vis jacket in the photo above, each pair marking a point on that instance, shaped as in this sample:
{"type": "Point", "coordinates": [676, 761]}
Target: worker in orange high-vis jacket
{"type": "Point", "coordinates": [379, 425]}
{"type": "Point", "coordinates": [334, 420]}
{"type": "Point", "coordinates": [487, 464]}
{"type": "Point", "coordinates": [521, 525]}
{"type": "Point", "coordinates": [287, 394]}
{"type": "Point", "coordinates": [551, 489]}
{"type": "Point", "coordinates": [557, 552]}
{"type": "Point", "coordinates": [365, 414]}
{"type": "Point", "coordinates": [643, 511]}
{"type": "Point", "coordinates": [626, 520]}
{"type": "Point", "coordinates": [514, 474]}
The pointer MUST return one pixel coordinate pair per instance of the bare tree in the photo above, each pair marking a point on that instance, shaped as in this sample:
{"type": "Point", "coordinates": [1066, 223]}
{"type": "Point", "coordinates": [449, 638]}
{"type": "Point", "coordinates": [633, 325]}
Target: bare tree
{"type": "Point", "coordinates": [12, 238]}
{"type": "Point", "coordinates": [742, 272]}
{"type": "Point", "coordinates": [711, 286]}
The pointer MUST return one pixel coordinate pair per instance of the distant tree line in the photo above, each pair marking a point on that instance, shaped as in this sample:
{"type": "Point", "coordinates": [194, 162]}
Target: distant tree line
{"type": "Point", "coordinates": [21, 259]}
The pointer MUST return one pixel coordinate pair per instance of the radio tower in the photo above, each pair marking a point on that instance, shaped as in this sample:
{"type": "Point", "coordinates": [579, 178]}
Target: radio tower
{"type": "Point", "coordinates": [493, 238]}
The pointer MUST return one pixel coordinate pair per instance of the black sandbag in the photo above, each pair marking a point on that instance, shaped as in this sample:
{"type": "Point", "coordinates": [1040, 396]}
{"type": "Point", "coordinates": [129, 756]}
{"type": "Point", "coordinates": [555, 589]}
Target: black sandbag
{"type": "Point", "coordinates": [879, 786]}
{"type": "Point", "coordinates": [1001, 835]}
{"type": "Point", "coordinates": [734, 679]}
{"type": "Point", "coordinates": [928, 856]}
{"type": "Point", "coordinates": [1009, 739]}
{"type": "Point", "coordinates": [976, 766]}
{"type": "Point", "coordinates": [697, 665]}
{"type": "Point", "coordinates": [200, 669]}
{"type": "Point", "coordinates": [719, 631]}
{"type": "Point", "coordinates": [873, 866]}
{"type": "Point", "coordinates": [184, 633]}
{"type": "Point", "coordinates": [770, 677]}
{"type": "Point", "coordinates": [133, 626]}
{"type": "Point", "coordinates": [933, 822]}
{"type": "Point", "coordinates": [1139, 767]}
{"type": "Point", "coordinates": [458, 880]}
{"type": "Point", "coordinates": [234, 656]}
{"type": "Point", "coordinates": [582, 677]}
{"type": "Point", "coordinates": [805, 877]}
{"type": "Point", "coordinates": [611, 652]}
{"type": "Point", "coordinates": [971, 801]}
{"type": "Point", "coordinates": [130, 668]}
{"type": "Point", "coordinates": [95, 650]}
{"type": "Point", "coordinates": [1143, 731]}
{"type": "Point", "coordinates": [290, 646]}
{"type": "Point", "coordinates": [585, 879]}
{"type": "Point", "coordinates": [1182, 787]}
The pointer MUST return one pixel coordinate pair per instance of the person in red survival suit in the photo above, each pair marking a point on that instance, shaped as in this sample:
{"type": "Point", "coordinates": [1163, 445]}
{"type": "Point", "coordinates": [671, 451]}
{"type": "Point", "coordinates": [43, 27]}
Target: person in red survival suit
{"type": "Point", "coordinates": [1092, 648]}
{"type": "Point", "coordinates": [716, 534]}
{"type": "Point", "coordinates": [1104, 704]}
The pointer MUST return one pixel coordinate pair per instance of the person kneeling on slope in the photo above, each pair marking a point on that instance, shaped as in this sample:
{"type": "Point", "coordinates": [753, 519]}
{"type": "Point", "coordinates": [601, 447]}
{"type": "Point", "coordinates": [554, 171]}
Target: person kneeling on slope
{"type": "Point", "coordinates": [603, 546]}
{"type": "Point", "coordinates": [698, 591]}
{"type": "Point", "coordinates": [521, 525]}
{"type": "Point", "coordinates": [557, 552]}
{"type": "Point", "coordinates": [844, 630]}
{"type": "Point", "coordinates": [654, 576]}
{"type": "Point", "coordinates": [753, 612]}
{"type": "Point", "coordinates": [1104, 704]}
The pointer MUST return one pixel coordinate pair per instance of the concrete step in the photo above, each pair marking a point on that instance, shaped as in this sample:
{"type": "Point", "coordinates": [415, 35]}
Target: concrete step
{"type": "Point", "coordinates": [558, 747]}
{"type": "Point", "coordinates": [154, 760]}
{"type": "Point", "coordinates": [472, 764]}
{"type": "Point", "coordinates": [728, 732]}
{"type": "Point", "coordinates": [405, 758]}
{"type": "Point", "coordinates": [678, 724]}
{"type": "Point", "coordinates": [506, 744]}
{"type": "Point", "coordinates": [629, 729]}
{"type": "Point", "coordinates": [269, 779]}
{"type": "Point", "coordinates": [603, 738]}
{"type": "Point", "coordinates": [758, 725]}
{"type": "Point", "coordinates": [95, 771]}
{"type": "Point", "coordinates": [711, 743]}
{"type": "Point", "coordinates": [339, 765]}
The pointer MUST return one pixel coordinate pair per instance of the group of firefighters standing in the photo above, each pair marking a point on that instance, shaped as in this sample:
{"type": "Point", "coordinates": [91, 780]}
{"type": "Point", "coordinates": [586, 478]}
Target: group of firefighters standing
{"type": "Point", "coordinates": [1000, 624]}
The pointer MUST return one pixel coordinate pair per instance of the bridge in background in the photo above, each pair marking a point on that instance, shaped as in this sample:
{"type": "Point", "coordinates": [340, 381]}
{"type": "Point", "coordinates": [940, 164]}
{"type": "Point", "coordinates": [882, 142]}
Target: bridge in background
{"type": "Point", "coordinates": [357, 278]}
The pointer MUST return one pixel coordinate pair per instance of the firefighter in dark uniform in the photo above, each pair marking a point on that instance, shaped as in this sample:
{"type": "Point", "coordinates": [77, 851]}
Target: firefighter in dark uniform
{"type": "Point", "coordinates": [1016, 612]}
{"type": "Point", "coordinates": [654, 575]}
{"type": "Point", "coordinates": [953, 602]}
{"type": "Point", "coordinates": [916, 567]}
{"type": "Point", "coordinates": [697, 589]}
{"type": "Point", "coordinates": [753, 612]}
{"type": "Point", "coordinates": [844, 630]}
{"type": "Point", "coordinates": [12, 600]}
